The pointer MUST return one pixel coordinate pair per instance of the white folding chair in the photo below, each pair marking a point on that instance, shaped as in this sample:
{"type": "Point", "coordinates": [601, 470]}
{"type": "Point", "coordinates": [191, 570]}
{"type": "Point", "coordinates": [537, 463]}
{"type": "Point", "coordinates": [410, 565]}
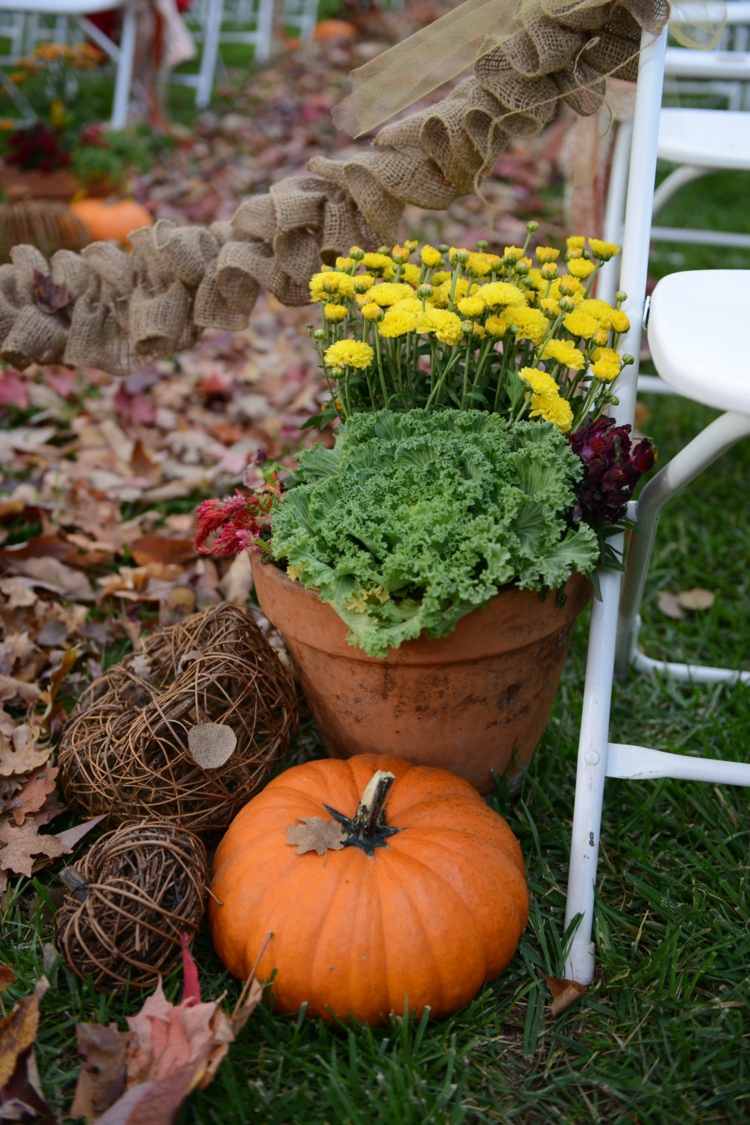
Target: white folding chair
{"type": "Point", "coordinates": [681, 355]}
{"type": "Point", "coordinates": [121, 53]}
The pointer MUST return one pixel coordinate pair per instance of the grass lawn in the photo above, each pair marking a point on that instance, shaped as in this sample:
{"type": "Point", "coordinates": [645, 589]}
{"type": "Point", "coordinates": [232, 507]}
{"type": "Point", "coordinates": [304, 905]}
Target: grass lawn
{"type": "Point", "coordinates": [663, 1035]}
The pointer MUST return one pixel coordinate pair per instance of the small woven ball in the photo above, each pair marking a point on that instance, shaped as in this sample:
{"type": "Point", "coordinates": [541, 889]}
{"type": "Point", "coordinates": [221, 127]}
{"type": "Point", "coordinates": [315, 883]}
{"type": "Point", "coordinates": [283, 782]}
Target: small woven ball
{"type": "Point", "coordinates": [136, 891]}
{"type": "Point", "coordinates": [187, 730]}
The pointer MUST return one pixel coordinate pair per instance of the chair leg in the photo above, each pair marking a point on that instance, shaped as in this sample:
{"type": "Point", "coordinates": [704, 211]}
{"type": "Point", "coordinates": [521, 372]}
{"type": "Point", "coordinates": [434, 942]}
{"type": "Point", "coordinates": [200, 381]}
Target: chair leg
{"type": "Point", "coordinates": [210, 52]}
{"type": "Point", "coordinates": [265, 31]}
{"type": "Point", "coordinates": [684, 467]}
{"type": "Point", "coordinates": [590, 776]}
{"type": "Point", "coordinates": [121, 99]}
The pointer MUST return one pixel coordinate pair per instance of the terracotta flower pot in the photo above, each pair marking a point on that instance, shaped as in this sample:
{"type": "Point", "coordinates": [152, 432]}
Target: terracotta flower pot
{"type": "Point", "coordinates": [20, 185]}
{"type": "Point", "coordinates": [475, 702]}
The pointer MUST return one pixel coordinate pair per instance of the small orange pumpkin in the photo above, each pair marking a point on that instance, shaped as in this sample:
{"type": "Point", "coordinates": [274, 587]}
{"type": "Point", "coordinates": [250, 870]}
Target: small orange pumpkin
{"type": "Point", "coordinates": [334, 29]}
{"type": "Point", "coordinates": [407, 911]}
{"type": "Point", "coordinates": [111, 220]}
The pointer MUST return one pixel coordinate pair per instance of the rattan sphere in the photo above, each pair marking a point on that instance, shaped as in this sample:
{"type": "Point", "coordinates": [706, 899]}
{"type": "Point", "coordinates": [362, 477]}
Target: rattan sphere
{"type": "Point", "coordinates": [131, 897]}
{"type": "Point", "coordinates": [125, 752]}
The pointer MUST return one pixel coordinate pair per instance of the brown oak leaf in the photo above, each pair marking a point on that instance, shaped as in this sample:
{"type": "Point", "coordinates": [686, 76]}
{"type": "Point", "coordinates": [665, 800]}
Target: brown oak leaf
{"type": "Point", "coordinates": [20, 847]}
{"type": "Point", "coordinates": [31, 798]}
{"type": "Point", "coordinates": [18, 753]}
{"type": "Point", "coordinates": [21, 1096]}
{"type": "Point", "coordinates": [101, 1080]}
{"type": "Point", "coordinates": [313, 834]}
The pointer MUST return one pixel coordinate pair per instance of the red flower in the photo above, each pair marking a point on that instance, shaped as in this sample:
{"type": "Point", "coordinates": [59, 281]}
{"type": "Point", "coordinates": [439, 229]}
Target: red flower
{"type": "Point", "coordinates": [612, 469]}
{"type": "Point", "coordinates": [226, 527]}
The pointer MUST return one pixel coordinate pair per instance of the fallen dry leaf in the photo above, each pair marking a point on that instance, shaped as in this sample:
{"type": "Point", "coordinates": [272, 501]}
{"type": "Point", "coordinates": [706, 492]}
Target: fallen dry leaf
{"type": "Point", "coordinates": [313, 834]}
{"type": "Point", "coordinates": [18, 752]}
{"type": "Point", "coordinates": [48, 573]}
{"type": "Point", "coordinates": [20, 847]}
{"type": "Point", "coordinates": [160, 549]}
{"type": "Point", "coordinates": [101, 1080]}
{"type": "Point", "coordinates": [564, 994]}
{"type": "Point", "coordinates": [142, 1076]}
{"type": "Point", "coordinates": [696, 599]}
{"type": "Point", "coordinates": [211, 744]}
{"type": "Point", "coordinates": [37, 787]}
{"type": "Point", "coordinates": [7, 976]}
{"type": "Point", "coordinates": [19, 1082]}
{"type": "Point", "coordinates": [238, 580]}
{"type": "Point", "coordinates": [669, 604]}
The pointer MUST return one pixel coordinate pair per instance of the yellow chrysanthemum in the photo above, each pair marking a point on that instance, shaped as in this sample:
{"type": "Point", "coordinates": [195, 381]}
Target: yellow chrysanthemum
{"type": "Point", "coordinates": [362, 282]}
{"type": "Point", "coordinates": [430, 256]}
{"type": "Point", "coordinates": [478, 330]}
{"type": "Point", "coordinates": [550, 306]}
{"type": "Point", "coordinates": [371, 311]}
{"type": "Point", "coordinates": [600, 310]}
{"type": "Point", "coordinates": [440, 276]}
{"type": "Point", "coordinates": [581, 267]}
{"type": "Point", "coordinates": [620, 321]}
{"type": "Point", "coordinates": [447, 325]}
{"type": "Point", "coordinates": [328, 283]}
{"type": "Point", "coordinates": [380, 263]}
{"type": "Point", "coordinates": [400, 253]}
{"type": "Point", "coordinates": [397, 322]}
{"type": "Point", "coordinates": [387, 293]}
{"type": "Point", "coordinates": [602, 336]}
{"type": "Point", "coordinates": [349, 353]}
{"type": "Point", "coordinates": [411, 274]}
{"type": "Point", "coordinates": [546, 254]}
{"type": "Point", "coordinates": [569, 286]}
{"type": "Point", "coordinates": [581, 324]}
{"type": "Point", "coordinates": [562, 351]}
{"type": "Point", "coordinates": [344, 263]}
{"type": "Point", "coordinates": [497, 294]}
{"type": "Point", "coordinates": [575, 241]}
{"type": "Point", "coordinates": [530, 324]}
{"type": "Point", "coordinates": [537, 280]}
{"type": "Point", "coordinates": [603, 250]}
{"type": "Point", "coordinates": [513, 253]}
{"type": "Point", "coordinates": [335, 312]}
{"type": "Point", "coordinates": [480, 264]}
{"type": "Point", "coordinates": [541, 382]}
{"type": "Point", "coordinates": [496, 325]}
{"type": "Point", "coordinates": [441, 294]}
{"type": "Point", "coordinates": [471, 307]}
{"type": "Point", "coordinates": [554, 409]}
{"type": "Point", "coordinates": [607, 364]}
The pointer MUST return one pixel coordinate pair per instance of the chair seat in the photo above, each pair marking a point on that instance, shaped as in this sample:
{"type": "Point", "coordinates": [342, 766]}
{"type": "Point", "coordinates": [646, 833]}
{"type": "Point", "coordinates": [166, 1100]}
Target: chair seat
{"type": "Point", "coordinates": [698, 339]}
{"type": "Point", "coordinates": [706, 138]}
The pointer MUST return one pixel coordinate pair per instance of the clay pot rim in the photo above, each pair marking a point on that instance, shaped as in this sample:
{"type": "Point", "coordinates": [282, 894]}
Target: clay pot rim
{"type": "Point", "coordinates": [509, 606]}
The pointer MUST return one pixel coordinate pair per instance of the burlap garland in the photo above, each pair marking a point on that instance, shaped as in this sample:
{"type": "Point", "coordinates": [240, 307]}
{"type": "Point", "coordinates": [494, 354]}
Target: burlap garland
{"type": "Point", "coordinates": [119, 309]}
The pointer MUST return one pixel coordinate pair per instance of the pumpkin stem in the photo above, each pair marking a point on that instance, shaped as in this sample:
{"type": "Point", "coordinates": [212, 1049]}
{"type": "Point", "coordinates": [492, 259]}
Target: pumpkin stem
{"type": "Point", "coordinates": [367, 829]}
{"type": "Point", "coordinates": [370, 813]}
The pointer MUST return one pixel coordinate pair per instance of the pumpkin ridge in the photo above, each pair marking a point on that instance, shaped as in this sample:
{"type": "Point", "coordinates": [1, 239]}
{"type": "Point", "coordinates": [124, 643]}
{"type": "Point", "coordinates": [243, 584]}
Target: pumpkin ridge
{"type": "Point", "coordinates": [400, 855]}
{"type": "Point", "coordinates": [517, 902]}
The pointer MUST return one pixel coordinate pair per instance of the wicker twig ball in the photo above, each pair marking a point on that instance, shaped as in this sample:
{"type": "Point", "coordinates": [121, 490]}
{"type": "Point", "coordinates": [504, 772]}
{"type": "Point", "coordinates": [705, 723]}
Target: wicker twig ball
{"type": "Point", "coordinates": [185, 730]}
{"type": "Point", "coordinates": [129, 900]}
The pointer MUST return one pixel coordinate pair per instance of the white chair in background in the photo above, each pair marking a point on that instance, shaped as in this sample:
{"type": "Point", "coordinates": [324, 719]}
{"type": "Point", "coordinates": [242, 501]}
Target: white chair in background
{"type": "Point", "coordinates": [697, 356]}
{"type": "Point", "coordinates": [121, 53]}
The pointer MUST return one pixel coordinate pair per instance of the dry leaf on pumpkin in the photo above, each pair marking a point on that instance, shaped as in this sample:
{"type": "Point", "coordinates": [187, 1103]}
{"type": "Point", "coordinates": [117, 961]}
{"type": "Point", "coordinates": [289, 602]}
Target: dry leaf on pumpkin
{"type": "Point", "coordinates": [313, 834]}
{"type": "Point", "coordinates": [21, 1097]}
{"type": "Point", "coordinates": [211, 744]}
{"type": "Point", "coordinates": [696, 599]}
{"type": "Point", "coordinates": [564, 994]}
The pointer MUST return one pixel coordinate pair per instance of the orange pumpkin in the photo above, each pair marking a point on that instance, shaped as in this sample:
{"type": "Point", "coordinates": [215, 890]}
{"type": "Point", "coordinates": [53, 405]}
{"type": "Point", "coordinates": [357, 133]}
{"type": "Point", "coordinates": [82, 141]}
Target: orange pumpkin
{"type": "Point", "coordinates": [334, 29]}
{"type": "Point", "coordinates": [111, 220]}
{"type": "Point", "coordinates": [420, 901]}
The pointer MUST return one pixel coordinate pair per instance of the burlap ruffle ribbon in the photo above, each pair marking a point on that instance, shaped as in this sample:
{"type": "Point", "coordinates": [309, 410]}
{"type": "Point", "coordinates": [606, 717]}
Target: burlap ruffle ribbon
{"type": "Point", "coordinates": [109, 309]}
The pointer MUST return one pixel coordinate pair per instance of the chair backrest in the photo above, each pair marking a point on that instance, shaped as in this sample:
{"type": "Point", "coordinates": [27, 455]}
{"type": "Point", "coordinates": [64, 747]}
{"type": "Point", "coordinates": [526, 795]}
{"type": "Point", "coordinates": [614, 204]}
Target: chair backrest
{"type": "Point", "coordinates": [638, 210]}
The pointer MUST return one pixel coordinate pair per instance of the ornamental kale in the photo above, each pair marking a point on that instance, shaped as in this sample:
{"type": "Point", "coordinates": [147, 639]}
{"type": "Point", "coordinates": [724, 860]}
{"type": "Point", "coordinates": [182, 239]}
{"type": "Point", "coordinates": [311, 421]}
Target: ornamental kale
{"type": "Point", "coordinates": [415, 519]}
